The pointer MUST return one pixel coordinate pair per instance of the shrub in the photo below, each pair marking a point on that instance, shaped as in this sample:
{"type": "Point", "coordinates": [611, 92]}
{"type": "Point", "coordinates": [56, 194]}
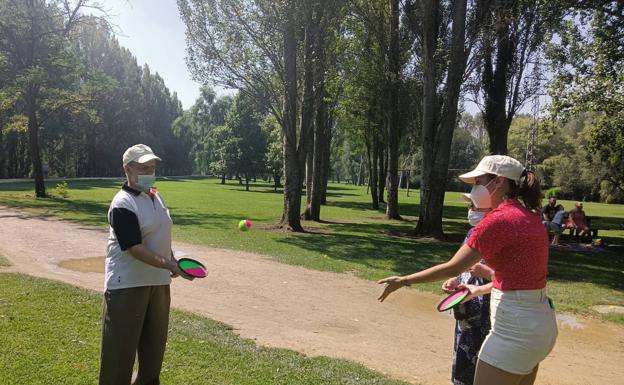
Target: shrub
{"type": "Point", "coordinates": [62, 189]}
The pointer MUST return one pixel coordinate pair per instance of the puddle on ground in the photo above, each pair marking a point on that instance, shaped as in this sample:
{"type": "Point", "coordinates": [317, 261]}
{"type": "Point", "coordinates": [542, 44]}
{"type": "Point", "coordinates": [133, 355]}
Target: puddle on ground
{"type": "Point", "coordinates": [606, 309]}
{"type": "Point", "coordinates": [569, 320]}
{"type": "Point", "coordinates": [84, 265]}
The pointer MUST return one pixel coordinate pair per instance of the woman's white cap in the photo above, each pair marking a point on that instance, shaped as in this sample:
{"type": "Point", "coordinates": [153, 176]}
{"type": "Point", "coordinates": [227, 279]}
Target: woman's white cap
{"type": "Point", "coordinates": [139, 153]}
{"type": "Point", "coordinates": [501, 165]}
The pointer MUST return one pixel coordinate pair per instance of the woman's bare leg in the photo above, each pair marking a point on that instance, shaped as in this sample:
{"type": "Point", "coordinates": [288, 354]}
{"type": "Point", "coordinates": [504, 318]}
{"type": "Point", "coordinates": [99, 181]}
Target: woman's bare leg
{"type": "Point", "coordinates": [487, 374]}
{"type": "Point", "coordinates": [529, 379]}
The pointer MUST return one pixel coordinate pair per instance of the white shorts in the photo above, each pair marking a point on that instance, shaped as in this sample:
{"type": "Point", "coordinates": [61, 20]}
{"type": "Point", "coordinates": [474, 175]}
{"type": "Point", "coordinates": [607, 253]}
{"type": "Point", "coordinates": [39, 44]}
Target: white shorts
{"type": "Point", "coordinates": [524, 330]}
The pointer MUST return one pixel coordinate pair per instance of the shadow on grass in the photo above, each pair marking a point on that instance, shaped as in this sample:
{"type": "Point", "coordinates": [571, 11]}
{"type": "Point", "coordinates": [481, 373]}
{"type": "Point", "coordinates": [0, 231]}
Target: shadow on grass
{"type": "Point", "coordinates": [603, 268]}
{"type": "Point", "coordinates": [72, 184]}
{"type": "Point", "coordinates": [390, 246]}
{"type": "Point", "coordinates": [607, 223]}
{"type": "Point", "coordinates": [372, 248]}
{"type": "Point", "coordinates": [185, 218]}
{"type": "Point", "coordinates": [270, 190]}
{"type": "Point", "coordinates": [412, 209]}
{"type": "Point", "coordinates": [79, 211]}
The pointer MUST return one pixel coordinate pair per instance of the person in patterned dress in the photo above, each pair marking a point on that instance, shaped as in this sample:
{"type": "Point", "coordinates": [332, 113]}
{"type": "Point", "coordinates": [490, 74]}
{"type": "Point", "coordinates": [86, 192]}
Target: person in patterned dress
{"type": "Point", "coordinates": [472, 317]}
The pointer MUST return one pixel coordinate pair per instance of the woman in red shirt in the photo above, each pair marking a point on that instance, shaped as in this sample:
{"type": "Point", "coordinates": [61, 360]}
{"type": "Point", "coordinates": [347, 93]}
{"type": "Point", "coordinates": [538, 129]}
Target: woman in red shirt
{"type": "Point", "coordinates": [577, 220]}
{"type": "Point", "coordinates": [512, 240]}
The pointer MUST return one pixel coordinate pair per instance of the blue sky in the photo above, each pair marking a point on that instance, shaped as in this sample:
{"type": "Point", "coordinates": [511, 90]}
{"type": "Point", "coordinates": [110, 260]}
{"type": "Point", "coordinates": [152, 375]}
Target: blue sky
{"type": "Point", "coordinates": [153, 31]}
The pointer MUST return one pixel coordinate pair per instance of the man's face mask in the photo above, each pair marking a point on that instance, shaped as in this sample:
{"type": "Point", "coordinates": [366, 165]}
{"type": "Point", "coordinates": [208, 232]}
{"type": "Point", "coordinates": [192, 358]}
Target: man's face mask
{"type": "Point", "coordinates": [144, 181]}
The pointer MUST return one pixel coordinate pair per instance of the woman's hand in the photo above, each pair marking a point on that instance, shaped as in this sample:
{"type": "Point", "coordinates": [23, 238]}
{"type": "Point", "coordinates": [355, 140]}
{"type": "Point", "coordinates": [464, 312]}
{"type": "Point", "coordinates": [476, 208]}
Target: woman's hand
{"type": "Point", "coordinates": [450, 285]}
{"type": "Point", "coordinates": [392, 284]}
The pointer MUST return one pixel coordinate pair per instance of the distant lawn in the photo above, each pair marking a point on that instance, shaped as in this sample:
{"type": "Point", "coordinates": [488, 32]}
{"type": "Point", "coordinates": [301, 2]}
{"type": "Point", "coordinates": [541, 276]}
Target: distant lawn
{"type": "Point", "coordinates": [51, 332]}
{"type": "Point", "coordinates": [352, 237]}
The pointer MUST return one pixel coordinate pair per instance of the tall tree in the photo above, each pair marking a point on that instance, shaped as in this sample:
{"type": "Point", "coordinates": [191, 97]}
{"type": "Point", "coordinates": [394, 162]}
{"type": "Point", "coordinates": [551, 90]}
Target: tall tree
{"type": "Point", "coordinates": [392, 208]}
{"type": "Point", "coordinates": [512, 32]}
{"type": "Point", "coordinates": [235, 44]}
{"type": "Point", "coordinates": [439, 103]}
{"type": "Point", "coordinates": [38, 59]}
{"type": "Point", "coordinates": [588, 60]}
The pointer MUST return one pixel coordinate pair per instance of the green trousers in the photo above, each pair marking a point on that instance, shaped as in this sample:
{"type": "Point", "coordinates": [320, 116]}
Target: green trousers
{"type": "Point", "coordinates": [135, 323]}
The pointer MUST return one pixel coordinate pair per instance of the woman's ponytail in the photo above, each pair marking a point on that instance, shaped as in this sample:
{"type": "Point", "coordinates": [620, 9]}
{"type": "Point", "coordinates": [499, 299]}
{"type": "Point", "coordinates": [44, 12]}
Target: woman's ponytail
{"type": "Point", "coordinates": [529, 190]}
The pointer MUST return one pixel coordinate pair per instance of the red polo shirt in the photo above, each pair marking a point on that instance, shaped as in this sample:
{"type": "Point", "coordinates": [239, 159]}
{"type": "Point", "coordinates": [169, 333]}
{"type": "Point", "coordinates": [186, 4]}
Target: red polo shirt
{"type": "Point", "coordinates": [513, 242]}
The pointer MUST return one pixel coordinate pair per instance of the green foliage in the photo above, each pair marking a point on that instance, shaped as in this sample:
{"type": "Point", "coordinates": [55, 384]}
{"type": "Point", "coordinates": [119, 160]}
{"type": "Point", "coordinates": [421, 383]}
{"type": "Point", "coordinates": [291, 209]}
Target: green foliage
{"type": "Point", "coordinates": [588, 61]}
{"type": "Point", "coordinates": [90, 95]}
{"type": "Point", "coordinates": [274, 157]}
{"type": "Point", "coordinates": [553, 192]}
{"type": "Point", "coordinates": [196, 128]}
{"type": "Point", "coordinates": [62, 189]}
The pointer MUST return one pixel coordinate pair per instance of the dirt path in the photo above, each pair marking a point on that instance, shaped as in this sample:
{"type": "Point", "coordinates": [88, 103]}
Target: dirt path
{"type": "Point", "coordinates": [317, 313]}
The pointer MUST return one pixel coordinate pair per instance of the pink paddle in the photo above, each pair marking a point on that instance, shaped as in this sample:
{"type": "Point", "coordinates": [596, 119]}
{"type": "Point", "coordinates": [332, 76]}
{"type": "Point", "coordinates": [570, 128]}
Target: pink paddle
{"type": "Point", "coordinates": [453, 299]}
{"type": "Point", "coordinates": [192, 267]}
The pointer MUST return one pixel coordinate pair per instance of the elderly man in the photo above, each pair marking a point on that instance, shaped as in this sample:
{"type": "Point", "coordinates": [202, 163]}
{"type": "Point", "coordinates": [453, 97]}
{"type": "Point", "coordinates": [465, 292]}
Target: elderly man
{"type": "Point", "coordinates": [139, 267]}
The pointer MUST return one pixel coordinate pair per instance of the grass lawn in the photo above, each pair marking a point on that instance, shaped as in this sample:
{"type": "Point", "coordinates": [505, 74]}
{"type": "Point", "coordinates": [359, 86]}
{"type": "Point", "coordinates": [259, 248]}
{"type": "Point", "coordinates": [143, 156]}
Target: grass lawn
{"type": "Point", "coordinates": [50, 334]}
{"type": "Point", "coordinates": [352, 237]}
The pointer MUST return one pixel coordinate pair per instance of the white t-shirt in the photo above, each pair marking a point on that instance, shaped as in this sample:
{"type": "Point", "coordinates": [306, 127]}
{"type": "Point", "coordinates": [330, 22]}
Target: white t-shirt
{"type": "Point", "coordinates": [122, 269]}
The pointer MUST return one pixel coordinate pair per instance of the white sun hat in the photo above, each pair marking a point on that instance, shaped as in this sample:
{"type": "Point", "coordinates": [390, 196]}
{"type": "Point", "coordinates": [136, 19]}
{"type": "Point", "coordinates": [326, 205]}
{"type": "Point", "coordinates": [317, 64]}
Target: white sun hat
{"type": "Point", "coordinates": [139, 153]}
{"type": "Point", "coordinates": [501, 165]}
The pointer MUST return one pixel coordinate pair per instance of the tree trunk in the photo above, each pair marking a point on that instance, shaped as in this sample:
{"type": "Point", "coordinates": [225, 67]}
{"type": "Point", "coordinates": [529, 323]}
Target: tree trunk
{"type": "Point", "coordinates": [496, 84]}
{"type": "Point", "coordinates": [392, 208]}
{"type": "Point", "coordinates": [246, 182]}
{"type": "Point", "coordinates": [294, 155]}
{"type": "Point", "coordinates": [320, 132]}
{"type": "Point", "coordinates": [319, 144]}
{"type": "Point", "coordinates": [309, 173]}
{"type": "Point", "coordinates": [223, 178]}
{"type": "Point", "coordinates": [326, 165]}
{"type": "Point", "coordinates": [307, 107]}
{"type": "Point", "coordinates": [360, 171]}
{"type": "Point", "coordinates": [276, 181]}
{"type": "Point", "coordinates": [382, 168]}
{"type": "Point", "coordinates": [437, 140]}
{"type": "Point", "coordinates": [408, 183]}
{"type": "Point", "coordinates": [33, 142]}
{"type": "Point", "coordinates": [374, 174]}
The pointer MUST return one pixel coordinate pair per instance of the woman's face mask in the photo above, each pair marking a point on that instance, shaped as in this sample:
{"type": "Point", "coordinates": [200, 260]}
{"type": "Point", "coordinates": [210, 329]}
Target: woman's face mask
{"type": "Point", "coordinates": [481, 196]}
{"type": "Point", "coordinates": [474, 217]}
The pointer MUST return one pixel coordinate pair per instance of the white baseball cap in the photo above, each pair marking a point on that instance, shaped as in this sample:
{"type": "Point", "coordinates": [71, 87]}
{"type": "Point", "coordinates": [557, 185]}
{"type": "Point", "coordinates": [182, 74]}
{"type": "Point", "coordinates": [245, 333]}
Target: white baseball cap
{"type": "Point", "coordinates": [501, 165]}
{"type": "Point", "coordinates": [139, 153]}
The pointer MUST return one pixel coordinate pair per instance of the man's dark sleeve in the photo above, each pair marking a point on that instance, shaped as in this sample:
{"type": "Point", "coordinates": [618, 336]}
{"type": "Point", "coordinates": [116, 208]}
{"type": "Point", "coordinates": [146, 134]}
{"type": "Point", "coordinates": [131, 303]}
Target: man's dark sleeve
{"type": "Point", "coordinates": [126, 226]}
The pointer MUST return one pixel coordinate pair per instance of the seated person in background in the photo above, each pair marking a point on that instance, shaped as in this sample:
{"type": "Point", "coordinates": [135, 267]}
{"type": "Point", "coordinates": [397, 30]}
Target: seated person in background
{"type": "Point", "coordinates": [577, 220]}
{"type": "Point", "coordinates": [548, 212]}
{"type": "Point", "coordinates": [556, 226]}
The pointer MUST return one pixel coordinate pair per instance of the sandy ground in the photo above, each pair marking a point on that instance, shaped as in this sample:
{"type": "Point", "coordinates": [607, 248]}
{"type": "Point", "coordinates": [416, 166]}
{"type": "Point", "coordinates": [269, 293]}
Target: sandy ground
{"type": "Point", "coordinates": [317, 313]}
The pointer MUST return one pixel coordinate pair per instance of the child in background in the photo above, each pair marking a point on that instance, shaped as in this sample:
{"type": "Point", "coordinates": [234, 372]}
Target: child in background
{"type": "Point", "coordinates": [472, 317]}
